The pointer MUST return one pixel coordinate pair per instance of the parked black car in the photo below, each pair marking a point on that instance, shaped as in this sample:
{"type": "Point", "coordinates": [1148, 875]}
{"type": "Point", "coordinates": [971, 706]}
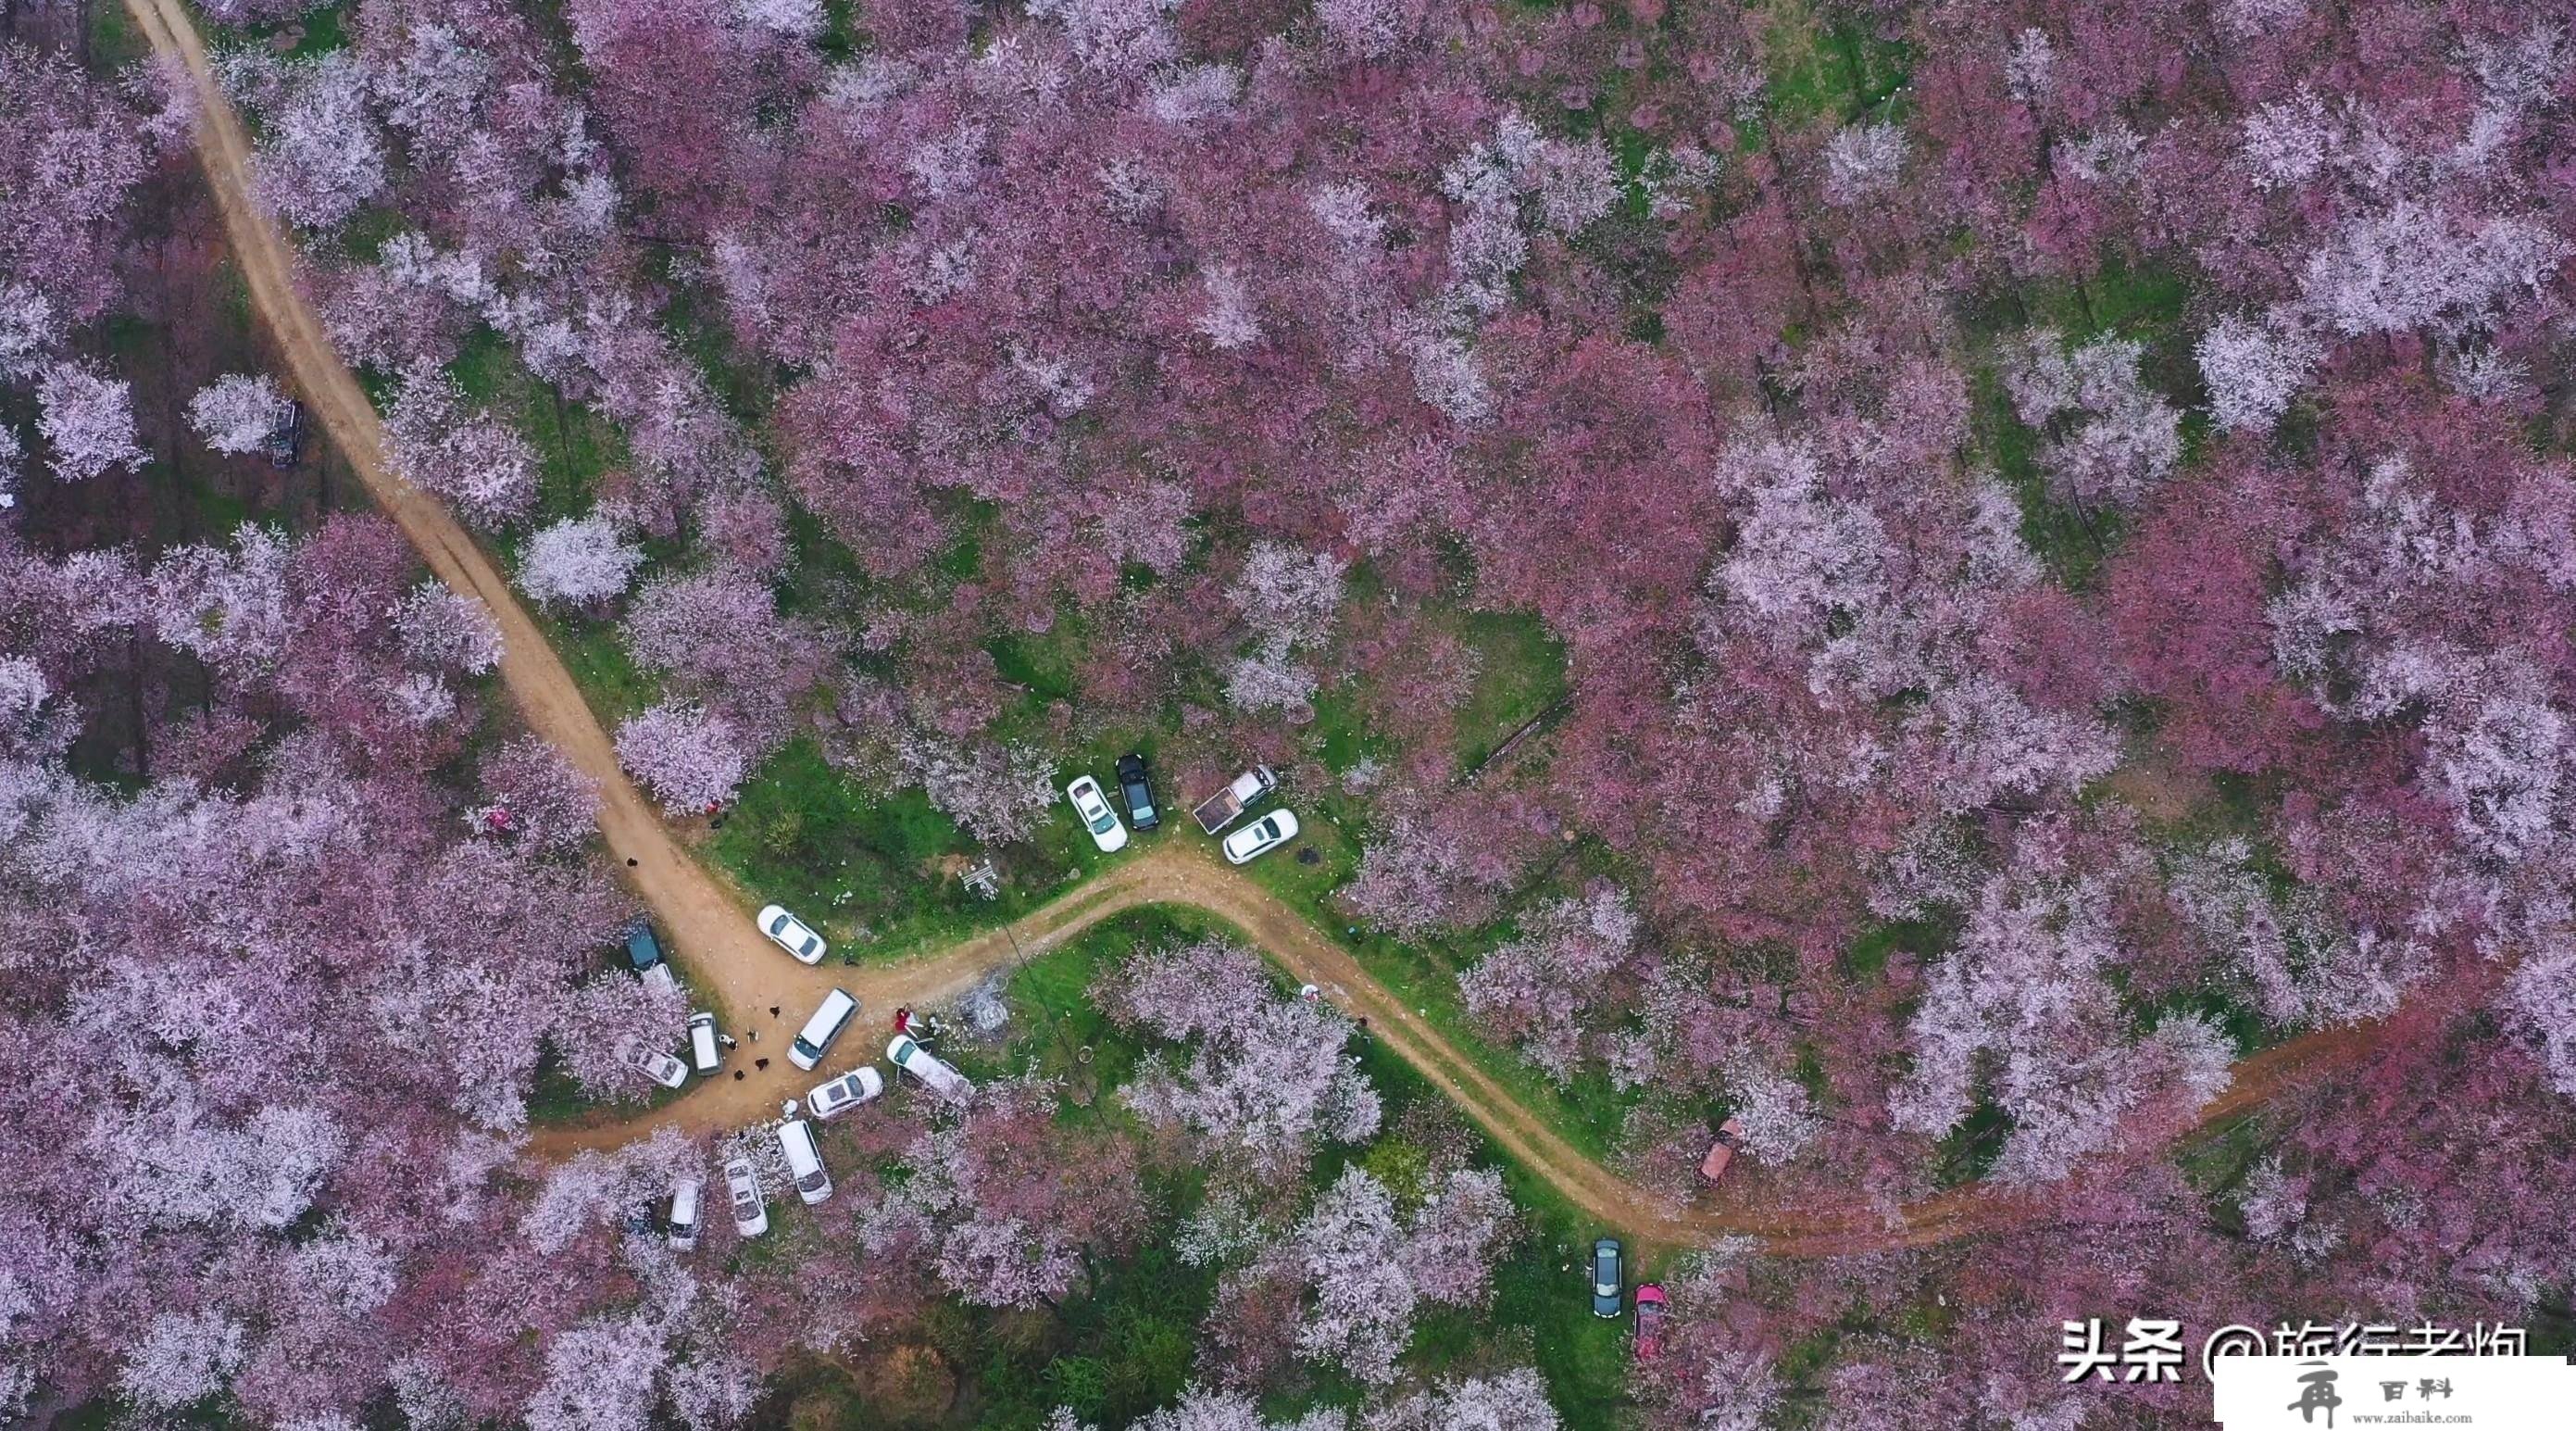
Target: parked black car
{"type": "Point", "coordinates": [643, 946]}
{"type": "Point", "coordinates": [1609, 1277]}
{"type": "Point", "coordinates": [1139, 792]}
{"type": "Point", "coordinates": [287, 443]}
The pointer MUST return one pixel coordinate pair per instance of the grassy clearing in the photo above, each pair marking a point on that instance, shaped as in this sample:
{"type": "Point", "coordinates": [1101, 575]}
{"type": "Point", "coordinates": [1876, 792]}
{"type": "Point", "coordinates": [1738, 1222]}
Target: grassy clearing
{"type": "Point", "coordinates": [2072, 542]}
{"type": "Point", "coordinates": [874, 869]}
{"type": "Point", "coordinates": [1542, 1306]}
{"type": "Point", "coordinates": [114, 42]}
{"type": "Point", "coordinates": [1521, 674]}
{"type": "Point", "coordinates": [608, 677]}
{"type": "Point", "coordinates": [574, 445]}
{"type": "Point", "coordinates": [1828, 70]}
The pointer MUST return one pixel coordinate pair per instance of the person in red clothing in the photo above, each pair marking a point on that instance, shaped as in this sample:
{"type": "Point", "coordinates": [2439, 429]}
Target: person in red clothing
{"type": "Point", "coordinates": [903, 1019]}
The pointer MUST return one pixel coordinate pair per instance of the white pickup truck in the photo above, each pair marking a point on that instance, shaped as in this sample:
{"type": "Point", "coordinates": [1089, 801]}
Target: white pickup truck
{"type": "Point", "coordinates": [1227, 805]}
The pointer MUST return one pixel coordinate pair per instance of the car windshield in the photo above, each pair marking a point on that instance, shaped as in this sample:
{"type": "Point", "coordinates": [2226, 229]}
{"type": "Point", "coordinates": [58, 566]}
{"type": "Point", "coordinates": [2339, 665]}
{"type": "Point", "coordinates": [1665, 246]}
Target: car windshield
{"type": "Point", "coordinates": [807, 1049]}
{"type": "Point", "coordinates": [1104, 823]}
{"type": "Point", "coordinates": [812, 1181]}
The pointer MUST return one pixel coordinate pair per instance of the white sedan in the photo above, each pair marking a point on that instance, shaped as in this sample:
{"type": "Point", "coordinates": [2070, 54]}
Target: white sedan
{"type": "Point", "coordinates": [750, 1211]}
{"type": "Point", "coordinates": [791, 934]}
{"type": "Point", "coordinates": [844, 1093]}
{"type": "Point", "coordinates": [1097, 817]}
{"type": "Point", "coordinates": [1261, 837]}
{"type": "Point", "coordinates": [660, 1067]}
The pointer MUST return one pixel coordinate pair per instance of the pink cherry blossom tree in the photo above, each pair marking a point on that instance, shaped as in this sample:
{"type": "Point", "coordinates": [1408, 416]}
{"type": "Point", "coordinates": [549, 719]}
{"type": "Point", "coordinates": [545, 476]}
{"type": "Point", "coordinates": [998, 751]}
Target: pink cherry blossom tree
{"type": "Point", "coordinates": [87, 419]}
{"type": "Point", "coordinates": [468, 456]}
{"type": "Point", "coordinates": [238, 412]}
{"type": "Point", "coordinates": [690, 759]}
{"type": "Point", "coordinates": [577, 562]}
{"type": "Point", "coordinates": [1005, 1204]}
{"type": "Point", "coordinates": [1266, 1082]}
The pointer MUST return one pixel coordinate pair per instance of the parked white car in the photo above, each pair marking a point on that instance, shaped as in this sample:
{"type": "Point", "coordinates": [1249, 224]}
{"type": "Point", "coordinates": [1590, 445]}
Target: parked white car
{"type": "Point", "coordinates": [660, 1067]}
{"type": "Point", "coordinates": [791, 934]}
{"type": "Point", "coordinates": [922, 1064]}
{"type": "Point", "coordinates": [1097, 817]}
{"type": "Point", "coordinates": [1261, 837]}
{"type": "Point", "coordinates": [702, 1042]}
{"type": "Point", "coordinates": [684, 1214]}
{"type": "Point", "coordinates": [805, 1161]}
{"type": "Point", "coordinates": [844, 1093]}
{"type": "Point", "coordinates": [750, 1214]}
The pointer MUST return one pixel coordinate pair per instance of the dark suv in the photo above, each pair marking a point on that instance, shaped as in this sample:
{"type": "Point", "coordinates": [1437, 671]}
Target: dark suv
{"type": "Point", "coordinates": [286, 444]}
{"type": "Point", "coordinates": [643, 946]}
{"type": "Point", "coordinates": [1139, 792]}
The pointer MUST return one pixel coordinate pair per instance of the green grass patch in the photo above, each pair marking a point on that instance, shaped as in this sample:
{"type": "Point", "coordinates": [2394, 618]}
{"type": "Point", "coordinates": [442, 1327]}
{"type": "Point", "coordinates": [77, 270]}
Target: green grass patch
{"type": "Point", "coordinates": [873, 869]}
{"type": "Point", "coordinates": [574, 446]}
{"type": "Point", "coordinates": [1866, 957]}
{"type": "Point", "coordinates": [1828, 70]}
{"type": "Point", "coordinates": [807, 836]}
{"type": "Point", "coordinates": [1521, 673]}
{"type": "Point", "coordinates": [1542, 1302]}
{"type": "Point", "coordinates": [2072, 542]}
{"type": "Point", "coordinates": [2132, 301]}
{"type": "Point", "coordinates": [114, 42]}
{"type": "Point", "coordinates": [1046, 663]}
{"type": "Point", "coordinates": [1967, 1153]}
{"type": "Point", "coordinates": [610, 681]}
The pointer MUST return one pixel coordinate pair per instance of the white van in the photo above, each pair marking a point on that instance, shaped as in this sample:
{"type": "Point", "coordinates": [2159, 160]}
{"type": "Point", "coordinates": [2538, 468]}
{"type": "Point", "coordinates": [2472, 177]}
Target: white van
{"type": "Point", "coordinates": [702, 1041]}
{"type": "Point", "coordinates": [684, 1215]}
{"type": "Point", "coordinates": [805, 1161]}
{"type": "Point", "coordinates": [815, 1039]}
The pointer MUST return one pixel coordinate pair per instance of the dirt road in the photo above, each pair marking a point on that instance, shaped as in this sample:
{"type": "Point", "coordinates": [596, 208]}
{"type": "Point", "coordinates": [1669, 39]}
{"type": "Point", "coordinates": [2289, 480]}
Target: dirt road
{"type": "Point", "coordinates": [726, 955]}
{"type": "Point", "coordinates": [730, 965]}
{"type": "Point", "coordinates": [1817, 1223]}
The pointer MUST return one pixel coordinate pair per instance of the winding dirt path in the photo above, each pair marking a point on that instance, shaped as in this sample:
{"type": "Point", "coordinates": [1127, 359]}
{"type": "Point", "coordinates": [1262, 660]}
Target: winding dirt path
{"type": "Point", "coordinates": [704, 919]}
{"type": "Point", "coordinates": [746, 976]}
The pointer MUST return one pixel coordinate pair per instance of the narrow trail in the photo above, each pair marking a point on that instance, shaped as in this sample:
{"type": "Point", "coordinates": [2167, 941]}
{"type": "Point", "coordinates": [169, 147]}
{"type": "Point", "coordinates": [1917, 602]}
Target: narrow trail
{"type": "Point", "coordinates": [729, 958]}
{"type": "Point", "coordinates": [731, 965]}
